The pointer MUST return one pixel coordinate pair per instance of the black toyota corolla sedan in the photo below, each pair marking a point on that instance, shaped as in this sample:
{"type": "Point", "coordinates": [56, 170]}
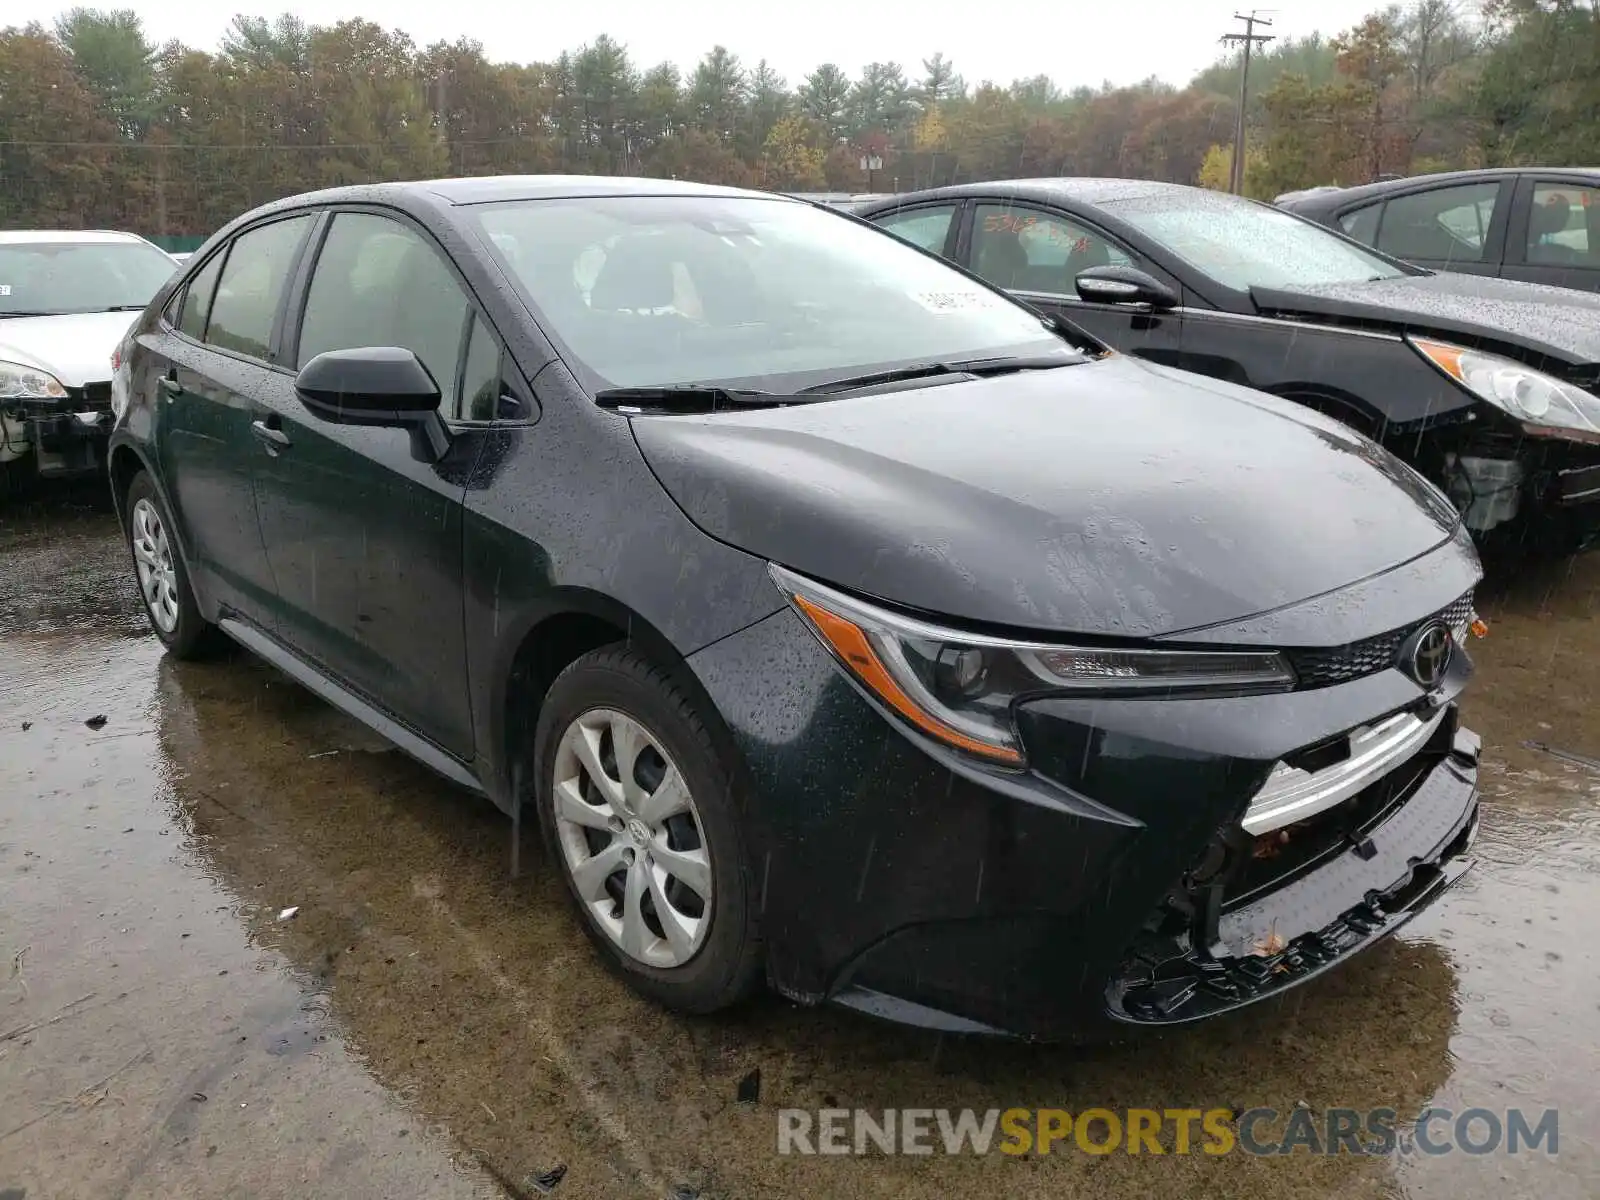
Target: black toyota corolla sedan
{"type": "Point", "coordinates": [847, 625]}
{"type": "Point", "coordinates": [1489, 387]}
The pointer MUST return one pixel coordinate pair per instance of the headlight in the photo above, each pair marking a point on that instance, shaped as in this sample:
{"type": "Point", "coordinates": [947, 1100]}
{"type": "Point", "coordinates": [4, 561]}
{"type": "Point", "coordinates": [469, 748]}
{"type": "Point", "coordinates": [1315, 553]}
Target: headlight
{"type": "Point", "coordinates": [18, 382]}
{"type": "Point", "coordinates": [1526, 394]}
{"type": "Point", "coordinates": [959, 687]}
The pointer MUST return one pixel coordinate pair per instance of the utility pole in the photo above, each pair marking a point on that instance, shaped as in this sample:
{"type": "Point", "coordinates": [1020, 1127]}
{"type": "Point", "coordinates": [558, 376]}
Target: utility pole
{"type": "Point", "coordinates": [1249, 38]}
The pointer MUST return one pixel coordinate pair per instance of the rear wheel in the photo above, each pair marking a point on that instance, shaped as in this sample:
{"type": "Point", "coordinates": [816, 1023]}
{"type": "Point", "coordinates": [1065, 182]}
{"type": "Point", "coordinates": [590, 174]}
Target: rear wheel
{"type": "Point", "coordinates": [163, 582]}
{"type": "Point", "coordinates": [637, 808]}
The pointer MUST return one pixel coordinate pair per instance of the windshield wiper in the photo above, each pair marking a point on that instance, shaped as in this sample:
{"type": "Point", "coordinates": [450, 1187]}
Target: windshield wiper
{"type": "Point", "coordinates": [689, 398]}
{"type": "Point", "coordinates": [23, 312]}
{"type": "Point", "coordinates": [124, 308]}
{"type": "Point", "coordinates": [983, 367]}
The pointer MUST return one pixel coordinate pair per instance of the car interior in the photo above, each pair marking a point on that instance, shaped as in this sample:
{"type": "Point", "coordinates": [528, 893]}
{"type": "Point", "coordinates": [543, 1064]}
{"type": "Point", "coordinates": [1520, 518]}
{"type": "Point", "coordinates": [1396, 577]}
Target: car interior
{"type": "Point", "coordinates": [1561, 233]}
{"type": "Point", "coordinates": [1045, 257]}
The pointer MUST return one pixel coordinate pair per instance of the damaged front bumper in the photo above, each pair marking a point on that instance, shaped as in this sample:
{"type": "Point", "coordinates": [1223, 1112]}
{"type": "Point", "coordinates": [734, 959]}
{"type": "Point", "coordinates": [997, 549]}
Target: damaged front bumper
{"type": "Point", "coordinates": [67, 438]}
{"type": "Point", "coordinates": [1263, 912]}
{"type": "Point", "coordinates": [1535, 486]}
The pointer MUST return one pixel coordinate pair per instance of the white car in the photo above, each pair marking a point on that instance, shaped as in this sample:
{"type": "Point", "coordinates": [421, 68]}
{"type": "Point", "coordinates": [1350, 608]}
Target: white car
{"type": "Point", "coordinates": [66, 299]}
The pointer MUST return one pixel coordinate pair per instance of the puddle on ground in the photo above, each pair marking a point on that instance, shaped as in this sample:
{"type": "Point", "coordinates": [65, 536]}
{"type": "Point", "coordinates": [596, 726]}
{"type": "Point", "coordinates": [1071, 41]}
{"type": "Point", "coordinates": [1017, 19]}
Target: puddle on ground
{"type": "Point", "coordinates": [422, 1009]}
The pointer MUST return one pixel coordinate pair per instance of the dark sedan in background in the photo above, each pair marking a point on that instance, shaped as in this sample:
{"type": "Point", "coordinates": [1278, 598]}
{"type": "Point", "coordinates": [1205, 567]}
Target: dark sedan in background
{"type": "Point", "coordinates": [847, 625]}
{"type": "Point", "coordinates": [1536, 224]}
{"type": "Point", "coordinates": [1488, 387]}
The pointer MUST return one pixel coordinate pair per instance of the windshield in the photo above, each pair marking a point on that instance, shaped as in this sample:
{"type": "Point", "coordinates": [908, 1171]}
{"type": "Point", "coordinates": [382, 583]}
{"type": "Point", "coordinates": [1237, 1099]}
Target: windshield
{"type": "Point", "coordinates": [766, 294]}
{"type": "Point", "coordinates": [77, 277]}
{"type": "Point", "coordinates": [1243, 245]}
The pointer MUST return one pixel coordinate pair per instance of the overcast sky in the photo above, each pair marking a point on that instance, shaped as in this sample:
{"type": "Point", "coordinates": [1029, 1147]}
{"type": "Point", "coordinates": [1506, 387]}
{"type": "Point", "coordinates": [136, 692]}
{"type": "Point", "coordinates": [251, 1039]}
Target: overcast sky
{"type": "Point", "coordinates": [1074, 41]}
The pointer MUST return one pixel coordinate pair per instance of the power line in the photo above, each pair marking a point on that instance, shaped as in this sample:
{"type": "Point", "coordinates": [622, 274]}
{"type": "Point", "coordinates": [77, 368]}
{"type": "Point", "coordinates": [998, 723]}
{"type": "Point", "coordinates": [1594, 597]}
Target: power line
{"type": "Point", "coordinates": [1249, 38]}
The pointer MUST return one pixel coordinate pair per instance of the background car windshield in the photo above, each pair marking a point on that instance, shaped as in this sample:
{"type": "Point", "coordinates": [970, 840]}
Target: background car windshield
{"type": "Point", "coordinates": [75, 277]}
{"type": "Point", "coordinates": [766, 293]}
{"type": "Point", "coordinates": [1243, 245]}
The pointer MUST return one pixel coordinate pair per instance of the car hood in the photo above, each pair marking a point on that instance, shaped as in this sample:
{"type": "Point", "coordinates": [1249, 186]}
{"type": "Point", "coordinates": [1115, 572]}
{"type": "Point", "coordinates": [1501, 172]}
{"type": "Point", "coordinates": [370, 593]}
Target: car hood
{"type": "Point", "coordinates": [74, 347]}
{"type": "Point", "coordinates": [1114, 498]}
{"type": "Point", "coordinates": [1558, 322]}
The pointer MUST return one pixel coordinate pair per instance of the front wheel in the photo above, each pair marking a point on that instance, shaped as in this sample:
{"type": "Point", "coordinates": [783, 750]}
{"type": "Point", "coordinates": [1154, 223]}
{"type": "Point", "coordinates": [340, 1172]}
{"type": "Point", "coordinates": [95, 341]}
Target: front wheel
{"type": "Point", "coordinates": [163, 582]}
{"type": "Point", "coordinates": [637, 808]}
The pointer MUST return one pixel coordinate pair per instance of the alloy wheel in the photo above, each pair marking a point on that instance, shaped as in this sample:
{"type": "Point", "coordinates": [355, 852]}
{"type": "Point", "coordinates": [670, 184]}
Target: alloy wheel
{"type": "Point", "coordinates": [152, 556]}
{"type": "Point", "coordinates": [632, 839]}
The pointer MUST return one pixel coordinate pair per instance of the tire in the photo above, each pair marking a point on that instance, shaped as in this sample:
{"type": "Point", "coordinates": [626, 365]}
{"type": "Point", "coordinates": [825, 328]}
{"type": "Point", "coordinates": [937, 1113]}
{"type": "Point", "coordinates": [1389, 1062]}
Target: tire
{"type": "Point", "coordinates": [652, 833]}
{"type": "Point", "coordinates": [160, 573]}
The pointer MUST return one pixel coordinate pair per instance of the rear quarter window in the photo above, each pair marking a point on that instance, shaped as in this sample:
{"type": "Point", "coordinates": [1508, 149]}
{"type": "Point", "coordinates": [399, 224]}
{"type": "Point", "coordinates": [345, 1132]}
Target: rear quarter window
{"type": "Point", "coordinates": [1362, 223]}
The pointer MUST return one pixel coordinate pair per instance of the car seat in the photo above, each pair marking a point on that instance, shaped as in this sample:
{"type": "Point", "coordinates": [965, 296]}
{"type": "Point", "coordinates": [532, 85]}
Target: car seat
{"type": "Point", "coordinates": [636, 277]}
{"type": "Point", "coordinates": [1002, 260]}
{"type": "Point", "coordinates": [1544, 221]}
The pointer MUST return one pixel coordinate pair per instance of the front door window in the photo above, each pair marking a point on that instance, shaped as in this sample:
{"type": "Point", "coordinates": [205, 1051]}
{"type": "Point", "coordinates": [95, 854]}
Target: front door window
{"type": "Point", "coordinates": [1029, 251]}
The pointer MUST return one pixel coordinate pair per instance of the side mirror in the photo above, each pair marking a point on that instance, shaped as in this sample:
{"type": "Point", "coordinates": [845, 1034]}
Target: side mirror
{"type": "Point", "coordinates": [376, 385]}
{"type": "Point", "coordinates": [1124, 285]}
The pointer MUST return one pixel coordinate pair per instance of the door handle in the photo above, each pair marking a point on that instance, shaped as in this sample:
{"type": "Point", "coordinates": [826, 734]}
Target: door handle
{"type": "Point", "coordinates": [168, 384]}
{"type": "Point", "coordinates": [272, 438]}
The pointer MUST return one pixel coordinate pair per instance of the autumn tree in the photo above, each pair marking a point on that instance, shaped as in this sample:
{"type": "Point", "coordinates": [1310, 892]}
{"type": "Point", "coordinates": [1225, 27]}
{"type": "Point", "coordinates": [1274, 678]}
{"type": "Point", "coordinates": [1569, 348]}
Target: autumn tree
{"type": "Point", "coordinates": [1216, 171]}
{"type": "Point", "coordinates": [99, 126]}
{"type": "Point", "coordinates": [791, 159]}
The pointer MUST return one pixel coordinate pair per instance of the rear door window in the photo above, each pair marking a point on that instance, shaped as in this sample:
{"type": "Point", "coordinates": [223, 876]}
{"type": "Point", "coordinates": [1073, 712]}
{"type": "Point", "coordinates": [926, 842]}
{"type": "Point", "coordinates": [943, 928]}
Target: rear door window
{"type": "Point", "coordinates": [927, 227]}
{"type": "Point", "coordinates": [1564, 226]}
{"type": "Point", "coordinates": [1443, 225]}
{"type": "Point", "coordinates": [251, 287]}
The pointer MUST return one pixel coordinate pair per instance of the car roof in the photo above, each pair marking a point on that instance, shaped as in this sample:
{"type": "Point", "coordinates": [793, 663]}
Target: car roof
{"type": "Point", "coordinates": [57, 236]}
{"type": "Point", "coordinates": [1085, 190]}
{"type": "Point", "coordinates": [487, 189]}
{"type": "Point", "coordinates": [1339, 198]}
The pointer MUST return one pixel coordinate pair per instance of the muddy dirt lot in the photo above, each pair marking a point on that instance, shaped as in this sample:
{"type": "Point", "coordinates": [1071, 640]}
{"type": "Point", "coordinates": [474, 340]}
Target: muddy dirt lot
{"type": "Point", "coordinates": [425, 1025]}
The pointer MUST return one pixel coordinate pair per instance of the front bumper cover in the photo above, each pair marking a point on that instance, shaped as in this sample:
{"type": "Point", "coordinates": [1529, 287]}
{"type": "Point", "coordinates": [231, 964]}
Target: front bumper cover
{"type": "Point", "coordinates": [1375, 882]}
{"type": "Point", "coordinates": [902, 879]}
{"type": "Point", "coordinates": [68, 437]}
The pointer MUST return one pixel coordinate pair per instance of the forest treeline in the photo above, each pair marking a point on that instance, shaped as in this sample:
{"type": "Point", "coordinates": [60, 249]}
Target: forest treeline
{"type": "Point", "coordinates": [99, 126]}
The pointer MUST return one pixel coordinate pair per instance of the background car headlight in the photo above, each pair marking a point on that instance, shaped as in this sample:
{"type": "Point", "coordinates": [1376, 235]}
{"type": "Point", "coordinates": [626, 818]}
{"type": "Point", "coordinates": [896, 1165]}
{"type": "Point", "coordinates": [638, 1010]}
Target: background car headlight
{"type": "Point", "coordinates": [119, 380]}
{"type": "Point", "coordinates": [18, 382]}
{"type": "Point", "coordinates": [1526, 394]}
{"type": "Point", "coordinates": [959, 687]}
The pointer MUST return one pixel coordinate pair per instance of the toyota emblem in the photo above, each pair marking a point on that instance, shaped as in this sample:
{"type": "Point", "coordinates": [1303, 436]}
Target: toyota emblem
{"type": "Point", "coordinates": [1427, 654]}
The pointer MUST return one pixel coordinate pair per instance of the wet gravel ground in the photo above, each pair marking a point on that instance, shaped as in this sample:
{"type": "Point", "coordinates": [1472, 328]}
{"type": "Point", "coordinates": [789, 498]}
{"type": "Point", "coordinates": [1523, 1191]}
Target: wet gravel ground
{"type": "Point", "coordinates": [425, 1025]}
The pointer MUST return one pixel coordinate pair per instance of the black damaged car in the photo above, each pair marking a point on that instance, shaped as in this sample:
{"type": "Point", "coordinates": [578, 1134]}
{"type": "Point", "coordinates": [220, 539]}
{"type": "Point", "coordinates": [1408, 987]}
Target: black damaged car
{"type": "Point", "coordinates": [847, 626]}
{"type": "Point", "coordinates": [1489, 387]}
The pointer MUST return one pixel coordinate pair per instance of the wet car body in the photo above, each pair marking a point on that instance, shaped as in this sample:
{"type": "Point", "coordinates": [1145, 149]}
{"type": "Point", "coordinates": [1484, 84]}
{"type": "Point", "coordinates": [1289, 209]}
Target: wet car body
{"type": "Point", "coordinates": [1109, 870]}
{"type": "Point", "coordinates": [1348, 349]}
